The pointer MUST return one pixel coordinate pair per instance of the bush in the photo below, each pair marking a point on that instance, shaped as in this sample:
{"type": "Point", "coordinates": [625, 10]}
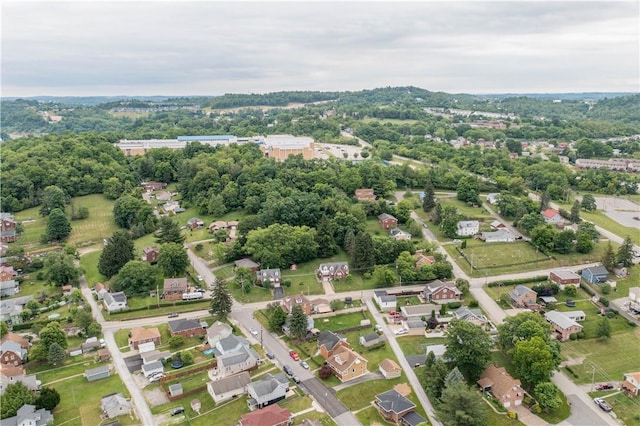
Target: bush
{"type": "Point", "coordinates": [536, 409]}
{"type": "Point", "coordinates": [573, 336]}
{"type": "Point", "coordinates": [611, 315]}
{"type": "Point", "coordinates": [325, 372]}
{"type": "Point", "coordinates": [581, 335]}
{"type": "Point", "coordinates": [535, 279]}
{"type": "Point", "coordinates": [605, 288]}
{"type": "Point", "coordinates": [176, 342]}
{"type": "Point", "coordinates": [570, 291]}
{"type": "Point", "coordinates": [604, 301]}
{"type": "Point", "coordinates": [473, 304]}
{"type": "Point", "coordinates": [454, 305]}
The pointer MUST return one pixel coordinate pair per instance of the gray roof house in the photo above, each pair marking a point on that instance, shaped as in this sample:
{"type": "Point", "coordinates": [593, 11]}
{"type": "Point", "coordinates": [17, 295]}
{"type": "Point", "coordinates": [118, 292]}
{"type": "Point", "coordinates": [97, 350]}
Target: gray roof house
{"type": "Point", "coordinates": [27, 415]}
{"type": "Point", "coordinates": [17, 375]}
{"type": "Point", "coordinates": [19, 351]}
{"type": "Point", "coordinates": [114, 301]}
{"type": "Point", "coordinates": [229, 387]}
{"type": "Point", "coordinates": [10, 309]}
{"type": "Point", "coordinates": [9, 288]}
{"type": "Point", "coordinates": [229, 345]}
{"type": "Point", "coordinates": [372, 339]}
{"type": "Point", "coordinates": [218, 331]}
{"type": "Point", "coordinates": [152, 367]}
{"type": "Point", "coordinates": [267, 391]}
{"type": "Point", "coordinates": [522, 296]}
{"type": "Point", "coordinates": [114, 405]}
{"type": "Point", "coordinates": [97, 373]}
{"type": "Point", "coordinates": [394, 408]}
{"type": "Point", "coordinates": [271, 275]}
{"type": "Point", "coordinates": [244, 359]}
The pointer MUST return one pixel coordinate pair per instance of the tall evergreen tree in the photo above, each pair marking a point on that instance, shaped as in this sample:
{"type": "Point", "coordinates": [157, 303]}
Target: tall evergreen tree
{"type": "Point", "coordinates": [221, 301]}
{"type": "Point", "coordinates": [429, 200]}
{"type": "Point", "coordinates": [545, 199]}
{"type": "Point", "coordinates": [588, 202]}
{"type": "Point", "coordinates": [625, 253]}
{"type": "Point", "coordinates": [437, 213]}
{"type": "Point", "coordinates": [364, 257]}
{"type": "Point", "coordinates": [58, 226]}
{"type": "Point", "coordinates": [609, 258]}
{"type": "Point", "coordinates": [327, 246]}
{"type": "Point", "coordinates": [574, 217]}
{"type": "Point", "coordinates": [118, 251]}
{"type": "Point", "coordinates": [169, 232]}
{"type": "Point", "coordinates": [56, 354]}
{"type": "Point", "coordinates": [298, 323]}
{"type": "Point", "coordinates": [462, 406]}
{"type": "Point", "coordinates": [350, 242]}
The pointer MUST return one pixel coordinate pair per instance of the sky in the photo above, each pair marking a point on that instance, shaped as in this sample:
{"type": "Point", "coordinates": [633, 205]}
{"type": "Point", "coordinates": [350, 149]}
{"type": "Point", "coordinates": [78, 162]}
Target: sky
{"type": "Point", "coordinates": [90, 48]}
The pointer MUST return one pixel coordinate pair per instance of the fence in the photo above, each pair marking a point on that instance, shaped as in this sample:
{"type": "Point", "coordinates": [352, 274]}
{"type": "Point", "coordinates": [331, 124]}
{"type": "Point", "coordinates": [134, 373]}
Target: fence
{"type": "Point", "coordinates": [175, 376]}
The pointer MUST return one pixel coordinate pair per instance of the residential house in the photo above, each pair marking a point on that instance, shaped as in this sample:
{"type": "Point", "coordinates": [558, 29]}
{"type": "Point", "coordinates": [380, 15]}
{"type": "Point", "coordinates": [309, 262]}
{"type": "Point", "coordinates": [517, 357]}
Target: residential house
{"type": "Point", "coordinates": [493, 198]}
{"type": "Point", "coordinates": [468, 228]}
{"type": "Point", "coordinates": [153, 367]}
{"type": "Point", "coordinates": [153, 186]}
{"type": "Point", "coordinates": [502, 386]}
{"type": "Point", "coordinates": [422, 259]}
{"type": "Point", "coordinates": [220, 224]}
{"type": "Point", "coordinates": [103, 355]}
{"type": "Point", "coordinates": [399, 234]}
{"type": "Point", "coordinates": [114, 301]}
{"type": "Point", "coordinates": [114, 405]}
{"type": "Point", "coordinates": [267, 391]}
{"type": "Point", "coordinates": [631, 383]}
{"type": "Point", "coordinates": [522, 297]}
{"type": "Point", "coordinates": [172, 206]}
{"type": "Point", "coordinates": [397, 409]}
{"type": "Point", "coordinates": [385, 301]}
{"type": "Point", "coordinates": [150, 254]}
{"type": "Point", "coordinates": [27, 415]}
{"type": "Point", "coordinates": [552, 216]}
{"type": "Point", "coordinates": [237, 362]}
{"type": "Point", "coordinates": [218, 331]}
{"type": "Point", "coordinates": [372, 339]}
{"type": "Point", "coordinates": [441, 292]}
{"type": "Point", "coordinates": [230, 387]}
{"type": "Point", "coordinates": [272, 415]}
{"type": "Point", "coordinates": [499, 236]}
{"type": "Point", "coordinates": [186, 328]}
{"type": "Point", "coordinates": [496, 224]}
{"type": "Point", "coordinates": [10, 374]}
{"type": "Point", "coordinates": [12, 353]}
{"type": "Point", "coordinates": [174, 288]}
{"type": "Point", "coordinates": [10, 309]}
{"type": "Point", "coordinates": [298, 299]}
{"type": "Point", "coordinates": [387, 221]}
{"type": "Point", "coordinates": [140, 335]}
{"type": "Point", "coordinates": [97, 373]}
{"type": "Point", "coordinates": [389, 369]}
{"type": "Point", "coordinates": [90, 344]}
{"type": "Point", "coordinates": [575, 315]}
{"type": "Point", "coordinates": [195, 223]}
{"type": "Point", "coordinates": [247, 263]}
{"type": "Point", "coordinates": [328, 341]}
{"type": "Point", "coordinates": [7, 228]}
{"type": "Point", "coordinates": [99, 288]}
{"type": "Point", "coordinates": [333, 270]}
{"type": "Point", "coordinates": [562, 325]}
{"type": "Point", "coordinates": [564, 277]}
{"type": "Point", "coordinates": [437, 350]}
{"type": "Point", "coordinates": [269, 275]}
{"type": "Point", "coordinates": [418, 311]}
{"type": "Point", "coordinates": [414, 326]}
{"type": "Point", "coordinates": [347, 364]}
{"type": "Point", "coordinates": [154, 355]}
{"type": "Point", "coordinates": [9, 288]}
{"type": "Point", "coordinates": [595, 274]}
{"type": "Point", "coordinates": [634, 294]}
{"type": "Point", "coordinates": [475, 316]}
{"type": "Point", "coordinates": [365, 194]}
{"type": "Point", "coordinates": [7, 273]}
{"type": "Point", "coordinates": [230, 345]}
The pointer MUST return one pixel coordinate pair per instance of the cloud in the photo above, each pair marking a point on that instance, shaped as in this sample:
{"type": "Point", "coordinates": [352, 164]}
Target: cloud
{"type": "Point", "coordinates": [209, 47]}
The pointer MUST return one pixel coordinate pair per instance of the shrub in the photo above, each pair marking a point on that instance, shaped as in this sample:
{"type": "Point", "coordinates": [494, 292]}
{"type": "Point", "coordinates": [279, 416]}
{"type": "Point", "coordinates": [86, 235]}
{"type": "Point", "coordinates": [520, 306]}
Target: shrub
{"type": "Point", "coordinates": [473, 304]}
{"type": "Point", "coordinates": [573, 336]}
{"type": "Point", "coordinates": [454, 305]}
{"type": "Point", "coordinates": [604, 301]}
{"type": "Point", "coordinates": [325, 372]}
{"type": "Point", "coordinates": [176, 342]}
{"type": "Point", "coordinates": [536, 409]}
{"type": "Point", "coordinates": [570, 291]}
{"type": "Point", "coordinates": [611, 315]}
{"type": "Point", "coordinates": [605, 288]}
{"type": "Point", "coordinates": [581, 335]}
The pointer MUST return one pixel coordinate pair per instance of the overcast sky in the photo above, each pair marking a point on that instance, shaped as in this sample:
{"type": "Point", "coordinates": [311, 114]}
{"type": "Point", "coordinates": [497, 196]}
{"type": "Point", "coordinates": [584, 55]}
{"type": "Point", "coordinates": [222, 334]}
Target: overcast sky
{"type": "Point", "coordinates": [211, 48]}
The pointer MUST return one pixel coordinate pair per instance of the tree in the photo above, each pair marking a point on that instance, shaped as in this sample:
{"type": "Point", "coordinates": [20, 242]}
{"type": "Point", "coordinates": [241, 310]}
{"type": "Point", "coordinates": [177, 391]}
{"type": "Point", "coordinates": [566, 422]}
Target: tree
{"type": "Point", "coordinates": [468, 347]}
{"type": "Point", "coordinates": [363, 256]}
{"type": "Point", "coordinates": [15, 396]}
{"type": "Point", "coordinates": [325, 372]}
{"type": "Point", "coordinates": [221, 301]}
{"type": "Point", "coordinates": [467, 189]}
{"type": "Point", "coordinates": [53, 333]}
{"type": "Point", "coordinates": [187, 357]}
{"type": "Point", "coordinates": [574, 217]}
{"type": "Point", "coordinates": [4, 329]}
{"type": "Point", "coordinates": [548, 395]}
{"type": "Point", "coordinates": [277, 318]}
{"type": "Point", "coordinates": [48, 399]}
{"type": "Point", "coordinates": [588, 202]}
{"type": "Point", "coordinates": [56, 354]}
{"type": "Point", "coordinates": [58, 226]}
{"type": "Point", "coordinates": [521, 327]}
{"type": "Point", "coordinates": [625, 253]}
{"type": "Point", "coordinates": [83, 319]}
{"type": "Point", "coordinates": [437, 213]}
{"type": "Point", "coordinates": [112, 188]}
{"type": "Point", "coordinates": [462, 406]}
{"type": "Point", "coordinates": [118, 251]}
{"type": "Point", "coordinates": [545, 199]}
{"type": "Point", "coordinates": [588, 229]}
{"type": "Point", "coordinates": [543, 236]}
{"type": "Point", "coordinates": [449, 221]}
{"type": "Point", "coordinates": [463, 285]}
{"type": "Point", "coordinates": [173, 260]}
{"type": "Point", "coordinates": [298, 323]}
{"type": "Point", "coordinates": [280, 245]}
{"type": "Point", "coordinates": [325, 238]}
{"type": "Point", "coordinates": [383, 276]}
{"type": "Point", "coordinates": [52, 198]}
{"type": "Point", "coordinates": [94, 329]}
{"type": "Point", "coordinates": [533, 361]}
{"type": "Point", "coordinates": [609, 258]}
{"type": "Point", "coordinates": [429, 200]}
{"type": "Point", "coordinates": [60, 269]}
{"type": "Point", "coordinates": [129, 211]}
{"type": "Point", "coordinates": [563, 241]}
{"type": "Point", "coordinates": [584, 243]}
{"type": "Point", "coordinates": [176, 341]}
{"type": "Point", "coordinates": [603, 329]}
{"type": "Point", "coordinates": [350, 242]}
{"type": "Point", "coordinates": [434, 378]}
{"type": "Point", "coordinates": [169, 232]}
{"type": "Point", "coordinates": [530, 221]}
{"type": "Point", "coordinates": [135, 278]}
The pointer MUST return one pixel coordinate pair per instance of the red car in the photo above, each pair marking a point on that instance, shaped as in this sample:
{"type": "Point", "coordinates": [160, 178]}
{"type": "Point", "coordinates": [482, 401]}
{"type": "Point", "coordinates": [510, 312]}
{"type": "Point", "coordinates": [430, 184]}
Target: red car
{"type": "Point", "coordinates": [294, 355]}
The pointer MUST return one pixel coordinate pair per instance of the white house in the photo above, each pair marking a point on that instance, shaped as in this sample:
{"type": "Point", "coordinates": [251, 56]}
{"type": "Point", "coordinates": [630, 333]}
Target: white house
{"type": "Point", "coordinates": [229, 387]}
{"type": "Point", "coordinates": [114, 301]}
{"type": "Point", "coordinates": [468, 227]}
{"type": "Point", "coordinates": [493, 198]}
{"type": "Point", "coordinates": [552, 216]}
{"type": "Point", "coordinates": [499, 236]}
{"type": "Point", "coordinates": [385, 301]}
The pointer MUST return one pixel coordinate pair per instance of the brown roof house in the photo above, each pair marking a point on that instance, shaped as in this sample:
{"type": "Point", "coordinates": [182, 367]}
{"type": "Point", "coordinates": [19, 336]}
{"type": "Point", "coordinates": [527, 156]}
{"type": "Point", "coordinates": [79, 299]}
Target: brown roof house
{"type": "Point", "coordinates": [333, 270]}
{"type": "Point", "coordinates": [174, 288]}
{"type": "Point", "coordinates": [441, 292]}
{"type": "Point", "coordinates": [297, 299]}
{"type": "Point", "coordinates": [397, 409]}
{"type": "Point", "coordinates": [140, 335]}
{"type": "Point", "coordinates": [523, 297]}
{"type": "Point", "coordinates": [272, 415]}
{"type": "Point", "coordinates": [347, 364]}
{"type": "Point", "coordinates": [422, 259]}
{"type": "Point", "coordinates": [502, 386]}
{"type": "Point", "coordinates": [150, 254]}
{"type": "Point", "coordinates": [389, 369]}
{"type": "Point", "coordinates": [631, 383]}
{"type": "Point", "coordinates": [387, 221]}
{"type": "Point", "coordinates": [365, 194]}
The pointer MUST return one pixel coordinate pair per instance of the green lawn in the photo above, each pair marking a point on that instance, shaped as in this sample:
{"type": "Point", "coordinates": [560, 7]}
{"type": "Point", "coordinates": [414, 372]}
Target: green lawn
{"type": "Point", "coordinates": [623, 284]}
{"type": "Point", "coordinates": [495, 419]}
{"type": "Point", "coordinates": [470, 212]}
{"type": "Point", "coordinates": [341, 321]}
{"type": "Point", "coordinates": [415, 345]}
{"type": "Point", "coordinates": [72, 366]}
{"type": "Point", "coordinates": [296, 403]}
{"type": "Point", "coordinates": [618, 323]}
{"type": "Point", "coordinates": [609, 359]}
{"type": "Point", "coordinates": [255, 294]}
{"type": "Point", "coordinates": [192, 382]}
{"type": "Point", "coordinates": [370, 416]}
{"type": "Point", "coordinates": [323, 418]}
{"type": "Point", "coordinates": [497, 291]}
{"type": "Point", "coordinates": [627, 409]}
{"type": "Point", "coordinates": [224, 272]}
{"type": "Point", "coordinates": [559, 414]}
{"type": "Point", "coordinates": [165, 310]}
{"type": "Point", "coordinates": [89, 264]}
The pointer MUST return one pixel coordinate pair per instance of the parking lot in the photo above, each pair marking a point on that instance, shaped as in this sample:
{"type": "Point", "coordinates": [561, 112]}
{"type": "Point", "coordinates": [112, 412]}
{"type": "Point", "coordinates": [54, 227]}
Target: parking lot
{"type": "Point", "coordinates": [327, 150]}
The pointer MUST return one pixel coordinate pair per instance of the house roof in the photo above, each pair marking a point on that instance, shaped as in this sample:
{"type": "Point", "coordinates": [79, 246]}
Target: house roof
{"type": "Point", "coordinates": [393, 401]}
{"type": "Point", "coordinates": [559, 319]}
{"type": "Point", "coordinates": [384, 297]}
{"type": "Point", "coordinates": [10, 346]}
{"type": "Point", "coordinates": [597, 270]}
{"type": "Point", "coordinates": [386, 216]}
{"type": "Point", "coordinates": [268, 416]}
{"type": "Point", "coordinates": [413, 419]}
{"type": "Point", "coordinates": [565, 274]}
{"type": "Point", "coordinates": [175, 387]}
{"type": "Point", "coordinates": [370, 337]}
{"type": "Point", "coordinates": [148, 250]}
{"type": "Point", "coordinates": [24, 343]}
{"type": "Point", "coordinates": [333, 266]}
{"type": "Point", "coordinates": [548, 299]}
{"type": "Point", "coordinates": [11, 370]}
{"type": "Point", "coordinates": [468, 224]}
{"type": "Point", "coordinates": [230, 383]}
{"type": "Point", "coordinates": [466, 313]}
{"type": "Point", "coordinates": [389, 365]}
{"type": "Point", "coordinates": [111, 402]}
{"type": "Point", "coordinates": [549, 213]}
{"type": "Point", "coordinates": [154, 355]}
{"type": "Point", "coordinates": [574, 314]}
{"type": "Point", "coordinates": [152, 366]}
{"type": "Point", "coordinates": [180, 325]}
{"type": "Point", "coordinates": [231, 342]}
{"type": "Point", "coordinates": [342, 358]}
{"type": "Point", "coordinates": [238, 357]}
{"type": "Point", "coordinates": [635, 375]}
{"type": "Point", "coordinates": [246, 263]}
{"type": "Point", "coordinates": [397, 232]}
{"type": "Point", "coordinates": [97, 370]}
{"type": "Point", "coordinates": [27, 414]}
{"type": "Point", "coordinates": [519, 292]}
{"type": "Point", "coordinates": [499, 380]}
{"type": "Point", "coordinates": [328, 339]}
{"type": "Point", "coordinates": [269, 274]}
{"type": "Point", "coordinates": [219, 329]}
{"type": "Point", "coordinates": [415, 323]}
{"type": "Point", "coordinates": [496, 223]}
{"type": "Point", "coordinates": [437, 285]}
{"type": "Point", "coordinates": [422, 259]}
{"type": "Point", "coordinates": [498, 235]}
{"type": "Point", "coordinates": [267, 385]}
{"type": "Point", "coordinates": [175, 284]}
{"type": "Point", "coordinates": [140, 333]}
{"type": "Point", "coordinates": [419, 310]}
{"type": "Point", "coordinates": [8, 270]}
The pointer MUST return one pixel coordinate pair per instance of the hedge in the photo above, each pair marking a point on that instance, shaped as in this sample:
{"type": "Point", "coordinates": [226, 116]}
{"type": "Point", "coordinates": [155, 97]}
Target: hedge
{"type": "Point", "coordinates": [536, 279]}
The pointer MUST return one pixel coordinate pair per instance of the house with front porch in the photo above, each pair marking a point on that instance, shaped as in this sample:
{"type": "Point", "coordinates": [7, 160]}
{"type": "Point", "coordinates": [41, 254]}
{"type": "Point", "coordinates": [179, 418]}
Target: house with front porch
{"type": "Point", "coordinates": [631, 384]}
{"type": "Point", "coordinates": [333, 270]}
{"type": "Point", "coordinates": [347, 364]}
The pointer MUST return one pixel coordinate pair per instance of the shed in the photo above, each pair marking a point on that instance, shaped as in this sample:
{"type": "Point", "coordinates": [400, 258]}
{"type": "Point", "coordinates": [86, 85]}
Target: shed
{"type": "Point", "coordinates": [97, 373]}
{"type": "Point", "coordinates": [175, 389]}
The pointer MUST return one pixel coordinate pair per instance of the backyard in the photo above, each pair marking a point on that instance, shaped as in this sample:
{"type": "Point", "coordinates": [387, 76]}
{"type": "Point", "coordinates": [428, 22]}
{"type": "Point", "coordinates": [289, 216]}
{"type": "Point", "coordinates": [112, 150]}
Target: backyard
{"type": "Point", "coordinates": [626, 408]}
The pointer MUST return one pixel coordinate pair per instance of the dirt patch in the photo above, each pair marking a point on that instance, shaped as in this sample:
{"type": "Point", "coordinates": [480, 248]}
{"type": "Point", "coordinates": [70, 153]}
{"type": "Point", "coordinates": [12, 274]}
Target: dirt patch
{"type": "Point", "coordinates": [199, 359]}
{"type": "Point", "coordinates": [573, 361]}
{"type": "Point", "coordinates": [403, 389]}
{"type": "Point", "coordinates": [156, 397]}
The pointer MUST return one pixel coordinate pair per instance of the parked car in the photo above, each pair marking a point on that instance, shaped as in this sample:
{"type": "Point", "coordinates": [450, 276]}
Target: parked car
{"type": "Point", "coordinates": [604, 405]}
{"type": "Point", "coordinates": [296, 379]}
{"type": "Point", "coordinates": [401, 331]}
{"type": "Point", "coordinates": [177, 410]}
{"type": "Point", "coordinates": [304, 365]}
{"type": "Point", "coordinates": [173, 315]}
{"type": "Point", "coordinates": [287, 370]}
{"type": "Point", "coordinates": [294, 355]}
{"type": "Point", "coordinates": [253, 331]}
{"type": "Point", "coordinates": [270, 355]}
{"type": "Point", "coordinates": [604, 386]}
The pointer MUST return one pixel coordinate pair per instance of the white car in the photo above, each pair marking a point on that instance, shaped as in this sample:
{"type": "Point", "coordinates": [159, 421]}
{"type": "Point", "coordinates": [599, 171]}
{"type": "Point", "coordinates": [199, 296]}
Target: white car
{"type": "Point", "coordinates": [401, 331]}
{"type": "Point", "coordinates": [200, 278]}
{"type": "Point", "coordinates": [253, 331]}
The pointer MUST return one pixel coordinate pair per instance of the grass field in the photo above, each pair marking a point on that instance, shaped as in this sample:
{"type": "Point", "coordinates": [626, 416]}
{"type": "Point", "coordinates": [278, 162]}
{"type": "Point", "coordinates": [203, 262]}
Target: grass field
{"type": "Point", "coordinates": [89, 264]}
{"type": "Point", "coordinates": [415, 345]}
{"type": "Point", "coordinates": [470, 212]}
{"type": "Point", "coordinates": [627, 409]}
{"type": "Point", "coordinates": [618, 323]}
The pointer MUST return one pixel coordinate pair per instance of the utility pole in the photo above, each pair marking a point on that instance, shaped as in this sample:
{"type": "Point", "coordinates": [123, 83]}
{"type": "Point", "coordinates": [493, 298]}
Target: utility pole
{"type": "Point", "coordinates": [593, 377]}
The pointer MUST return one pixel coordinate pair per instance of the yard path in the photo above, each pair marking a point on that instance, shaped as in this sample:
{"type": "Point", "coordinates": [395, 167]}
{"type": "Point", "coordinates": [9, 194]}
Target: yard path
{"type": "Point", "coordinates": [63, 379]}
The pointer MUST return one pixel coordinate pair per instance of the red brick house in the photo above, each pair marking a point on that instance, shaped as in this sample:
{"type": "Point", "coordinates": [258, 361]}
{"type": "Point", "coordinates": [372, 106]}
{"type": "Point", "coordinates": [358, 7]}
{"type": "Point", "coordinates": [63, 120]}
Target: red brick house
{"type": "Point", "coordinates": [150, 254]}
{"type": "Point", "coordinates": [397, 409]}
{"type": "Point", "coordinates": [564, 277]}
{"type": "Point", "coordinates": [328, 342]}
{"type": "Point", "coordinates": [140, 335]}
{"type": "Point", "coordinates": [272, 415]}
{"type": "Point", "coordinates": [387, 221]}
{"type": "Point", "coordinates": [502, 386]}
{"type": "Point", "coordinates": [523, 297]}
{"type": "Point", "coordinates": [441, 292]}
{"type": "Point", "coordinates": [333, 270]}
{"type": "Point", "coordinates": [365, 194]}
{"type": "Point", "coordinates": [153, 186]}
{"type": "Point", "coordinates": [562, 325]}
{"type": "Point", "coordinates": [297, 299]}
{"type": "Point", "coordinates": [422, 259]}
{"type": "Point", "coordinates": [174, 288]}
{"type": "Point", "coordinates": [7, 228]}
{"type": "Point", "coordinates": [7, 273]}
{"type": "Point", "coordinates": [186, 328]}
